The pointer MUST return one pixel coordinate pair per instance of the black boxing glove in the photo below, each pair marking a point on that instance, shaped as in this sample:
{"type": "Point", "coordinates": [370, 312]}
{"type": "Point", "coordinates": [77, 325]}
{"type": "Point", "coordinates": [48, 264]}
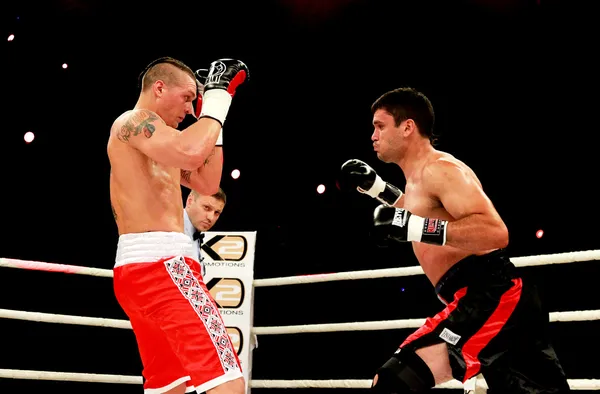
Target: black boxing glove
{"type": "Point", "coordinates": [359, 174]}
{"type": "Point", "coordinates": [224, 77]}
{"type": "Point", "coordinates": [226, 74]}
{"type": "Point", "coordinates": [398, 224]}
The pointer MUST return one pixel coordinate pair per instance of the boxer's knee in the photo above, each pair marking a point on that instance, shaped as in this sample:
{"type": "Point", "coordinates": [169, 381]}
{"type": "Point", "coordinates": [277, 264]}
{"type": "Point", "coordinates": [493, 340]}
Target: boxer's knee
{"type": "Point", "coordinates": [235, 386]}
{"type": "Point", "coordinates": [436, 357]}
{"type": "Point", "coordinates": [179, 389]}
{"type": "Point", "coordinates": [405, 372]}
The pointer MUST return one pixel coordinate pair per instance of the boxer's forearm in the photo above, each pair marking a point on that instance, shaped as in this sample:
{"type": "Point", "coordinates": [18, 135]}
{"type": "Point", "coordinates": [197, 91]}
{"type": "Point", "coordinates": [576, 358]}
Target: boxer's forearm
{"type": "Point", "coordinates": [199, 139]}
{"type": "Point", "coordinates": [477, 233]}
{"type": "Point", "coordinates": [207, 178]}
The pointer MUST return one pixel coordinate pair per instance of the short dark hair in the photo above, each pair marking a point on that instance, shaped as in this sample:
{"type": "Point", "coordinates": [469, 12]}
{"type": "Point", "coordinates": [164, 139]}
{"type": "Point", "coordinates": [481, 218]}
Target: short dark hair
{"type": "Point", "coordinates": [162, 68]}
{"type": "Point", "coordinates": [219, 195]}
{"type": "Point", "coordinates": [408, 103]}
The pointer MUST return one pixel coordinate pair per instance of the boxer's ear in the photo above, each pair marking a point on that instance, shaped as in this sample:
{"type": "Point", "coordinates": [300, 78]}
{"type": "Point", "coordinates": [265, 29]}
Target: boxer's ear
{"type": "Point", "coordinates": [408, 127]}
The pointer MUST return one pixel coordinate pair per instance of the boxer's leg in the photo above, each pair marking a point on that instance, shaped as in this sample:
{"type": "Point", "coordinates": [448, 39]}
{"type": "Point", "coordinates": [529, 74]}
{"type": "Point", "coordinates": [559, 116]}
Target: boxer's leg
{"type": "Point", "coordinates": [522, 358]}
{"type": "Point", "coordinates": [192, 324]}
{"type": "Point", "coordinates": [411, 371]}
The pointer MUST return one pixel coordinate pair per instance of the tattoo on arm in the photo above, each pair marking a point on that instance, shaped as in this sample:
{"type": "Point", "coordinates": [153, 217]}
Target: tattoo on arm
{"type": "Point", "coordinates": [185, 174]}
{"type": "Point", "coordinates": [138, 122]}
{"type": "Point", "coordinates": [113, 211]}
{"type": "Point", "coordinates": [212, 153]}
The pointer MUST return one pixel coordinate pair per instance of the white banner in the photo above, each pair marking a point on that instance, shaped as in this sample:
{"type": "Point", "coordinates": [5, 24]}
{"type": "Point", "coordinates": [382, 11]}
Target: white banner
{"type": "Point", "coordinates": [229, 260]}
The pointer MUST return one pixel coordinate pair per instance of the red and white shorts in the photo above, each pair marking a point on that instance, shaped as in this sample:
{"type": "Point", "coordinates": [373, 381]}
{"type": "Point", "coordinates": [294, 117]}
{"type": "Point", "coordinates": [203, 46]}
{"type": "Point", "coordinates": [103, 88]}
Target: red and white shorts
{"type": "Point", "coordinates": [179, 331]}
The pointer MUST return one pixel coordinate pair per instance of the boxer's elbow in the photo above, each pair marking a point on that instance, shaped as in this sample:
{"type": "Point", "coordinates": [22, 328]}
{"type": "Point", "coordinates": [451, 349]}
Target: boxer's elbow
{"type": "Point", "coordinates": [206, 185]}
{"type": "Point", "coordinates": [205, 189]}
{"type": "Point", "coordinates": [205, 182]}
{"type": "Point", "coordinates": [500, 236]}
{"type": "Point", "coordinates": [212, 189]}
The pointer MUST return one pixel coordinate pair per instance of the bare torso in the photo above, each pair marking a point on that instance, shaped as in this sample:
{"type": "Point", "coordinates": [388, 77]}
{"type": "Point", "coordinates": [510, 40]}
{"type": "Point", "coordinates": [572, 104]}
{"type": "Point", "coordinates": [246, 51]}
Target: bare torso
{"type": "Point", "coordinates": [435, 260]}
{"type": "Point", "coordinates": [145, 195]}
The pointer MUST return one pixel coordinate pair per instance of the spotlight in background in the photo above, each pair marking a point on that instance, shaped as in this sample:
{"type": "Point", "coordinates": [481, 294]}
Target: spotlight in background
{"type": "Point", "coordinates": [539, 233]}
{"type": "Point", "coordinates": [28, 137]}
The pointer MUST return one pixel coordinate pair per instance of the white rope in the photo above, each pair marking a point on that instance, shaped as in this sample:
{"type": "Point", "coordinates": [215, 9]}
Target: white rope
{"type": "Point", "coordinates": [574, 316]}
{"type": "Point", "coordinates": [69, 376]}
{"type": "Point", "coordinates": [310, 384]}
{"type": "Point", "coordinates": [67, 269]}
{"type": "Point", "coordinates": [340, 384]}
{"type": "Point", "coordinates": [64, 319]}
{"type": "Point", "coordinates": [398, 324]}
{"type": "Point", "coordinates": [558, 258]}
{"type": "Point", "coordinates": [576, 384]}
{"type": "Point", "coordinates": [300, 329]}
{"type": "Point", "coordinates": [349, 275]}
{"type": "Point", "coordinates": [335, 327]}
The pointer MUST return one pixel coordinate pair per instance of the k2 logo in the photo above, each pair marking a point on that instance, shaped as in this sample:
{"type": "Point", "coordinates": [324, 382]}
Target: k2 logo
{"type": "Point", "coordinates": [237, 340]}
{"type": "Point", "coordinates": [226, 247]}
{"type": "Point", "coordinates": [227, 292]}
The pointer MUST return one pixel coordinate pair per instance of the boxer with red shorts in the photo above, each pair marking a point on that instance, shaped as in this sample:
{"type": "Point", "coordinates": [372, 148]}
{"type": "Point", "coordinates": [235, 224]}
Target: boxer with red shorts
{"type": "Point", "coordinates": [183, 343]}
{"type": "Point", "coordinates": [180, 334]}
{"type": "Point", "coordinates": [493, 323]}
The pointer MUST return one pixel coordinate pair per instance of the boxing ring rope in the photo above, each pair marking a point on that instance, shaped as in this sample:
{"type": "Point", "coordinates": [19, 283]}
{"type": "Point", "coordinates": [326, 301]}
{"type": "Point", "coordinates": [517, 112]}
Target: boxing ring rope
{"type": "Point", "coordinates": [527, 261]}
{"type": "Point", "coordinates": [277, 330]}
{"type": "Point", "coordinates": [558, 258]}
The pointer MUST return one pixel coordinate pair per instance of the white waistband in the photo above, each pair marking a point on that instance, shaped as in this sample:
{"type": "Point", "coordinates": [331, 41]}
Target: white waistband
{"type": "Point", "coordinates": [152, 246]}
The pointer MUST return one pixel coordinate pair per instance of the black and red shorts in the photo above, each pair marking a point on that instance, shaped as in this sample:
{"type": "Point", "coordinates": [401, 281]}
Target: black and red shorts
{"type": "Point", "coordinates": [493, 324]}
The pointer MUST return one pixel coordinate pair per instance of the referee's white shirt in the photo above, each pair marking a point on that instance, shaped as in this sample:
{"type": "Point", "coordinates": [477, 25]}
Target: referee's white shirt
{"type": "Point", "coordinates": [189, 229]}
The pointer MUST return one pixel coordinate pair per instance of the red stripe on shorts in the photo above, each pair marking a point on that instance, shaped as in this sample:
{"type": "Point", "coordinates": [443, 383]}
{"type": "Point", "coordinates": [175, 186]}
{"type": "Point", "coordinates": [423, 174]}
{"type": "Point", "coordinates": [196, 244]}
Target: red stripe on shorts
{"type": "Point", "coordinates": [432, 322]}
{"type": "Point", "coordinates": [491, 328]}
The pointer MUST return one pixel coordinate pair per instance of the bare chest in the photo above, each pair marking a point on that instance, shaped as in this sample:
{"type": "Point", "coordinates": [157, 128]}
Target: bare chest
{"type": "Point", "coordinates": [161, 173]}
{"type": "Point", "coordinates": [419, 201]}
{"type": "Point", "coordinates": [165, 180]}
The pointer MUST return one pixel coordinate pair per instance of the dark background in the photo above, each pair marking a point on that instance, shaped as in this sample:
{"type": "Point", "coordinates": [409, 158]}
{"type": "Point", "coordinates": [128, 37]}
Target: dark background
{"type": "Point", "coordinates": [514, 86]}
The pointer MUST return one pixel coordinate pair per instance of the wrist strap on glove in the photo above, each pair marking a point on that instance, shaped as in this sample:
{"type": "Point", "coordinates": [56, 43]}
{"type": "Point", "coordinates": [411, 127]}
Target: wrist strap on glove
{"type": "Point", "coordinates": [426, 230]}
{"type": "Point", "coordinates": [390, 195]}
{"type": "Point", "coordinates": [383, 191]}
{"type": "Point", "coordinates": [220, 138]}
{"type": "Point", "coordinates": [215, 104]}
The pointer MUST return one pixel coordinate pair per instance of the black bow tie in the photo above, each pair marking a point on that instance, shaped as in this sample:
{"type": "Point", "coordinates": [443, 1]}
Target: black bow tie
{"type": "Point", "coordinates": [198, 235]}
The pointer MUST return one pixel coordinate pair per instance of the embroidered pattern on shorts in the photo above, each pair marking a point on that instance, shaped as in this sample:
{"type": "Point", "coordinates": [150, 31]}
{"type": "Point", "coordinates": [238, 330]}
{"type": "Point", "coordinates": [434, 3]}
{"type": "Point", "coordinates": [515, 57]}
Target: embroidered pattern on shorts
{"type": "Point", "coordinates": [205, 309]}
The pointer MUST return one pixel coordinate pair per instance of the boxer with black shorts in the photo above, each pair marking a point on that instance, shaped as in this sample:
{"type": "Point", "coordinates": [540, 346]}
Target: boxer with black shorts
{"type": "Point", "coordinates": [493, 322]}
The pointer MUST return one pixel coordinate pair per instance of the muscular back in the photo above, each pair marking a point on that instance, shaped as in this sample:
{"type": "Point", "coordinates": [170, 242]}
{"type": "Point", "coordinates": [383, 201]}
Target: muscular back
{"type": "Point", "coordinates": [145, 195]}
{"type": "Point", "coordinates": [444, 175]}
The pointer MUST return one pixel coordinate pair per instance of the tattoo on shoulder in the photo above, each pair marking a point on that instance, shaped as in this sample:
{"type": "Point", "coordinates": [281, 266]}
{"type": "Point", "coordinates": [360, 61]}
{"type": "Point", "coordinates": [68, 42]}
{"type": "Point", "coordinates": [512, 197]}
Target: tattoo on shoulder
{"type": "Point", "coordinates": [138, 122]}
{"type": "Point", "coordinates": [186, 174]}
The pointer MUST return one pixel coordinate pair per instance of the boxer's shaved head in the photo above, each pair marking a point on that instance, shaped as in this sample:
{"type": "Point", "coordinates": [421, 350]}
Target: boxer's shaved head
{"type": "Point", "coordinates": [166, 69]}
